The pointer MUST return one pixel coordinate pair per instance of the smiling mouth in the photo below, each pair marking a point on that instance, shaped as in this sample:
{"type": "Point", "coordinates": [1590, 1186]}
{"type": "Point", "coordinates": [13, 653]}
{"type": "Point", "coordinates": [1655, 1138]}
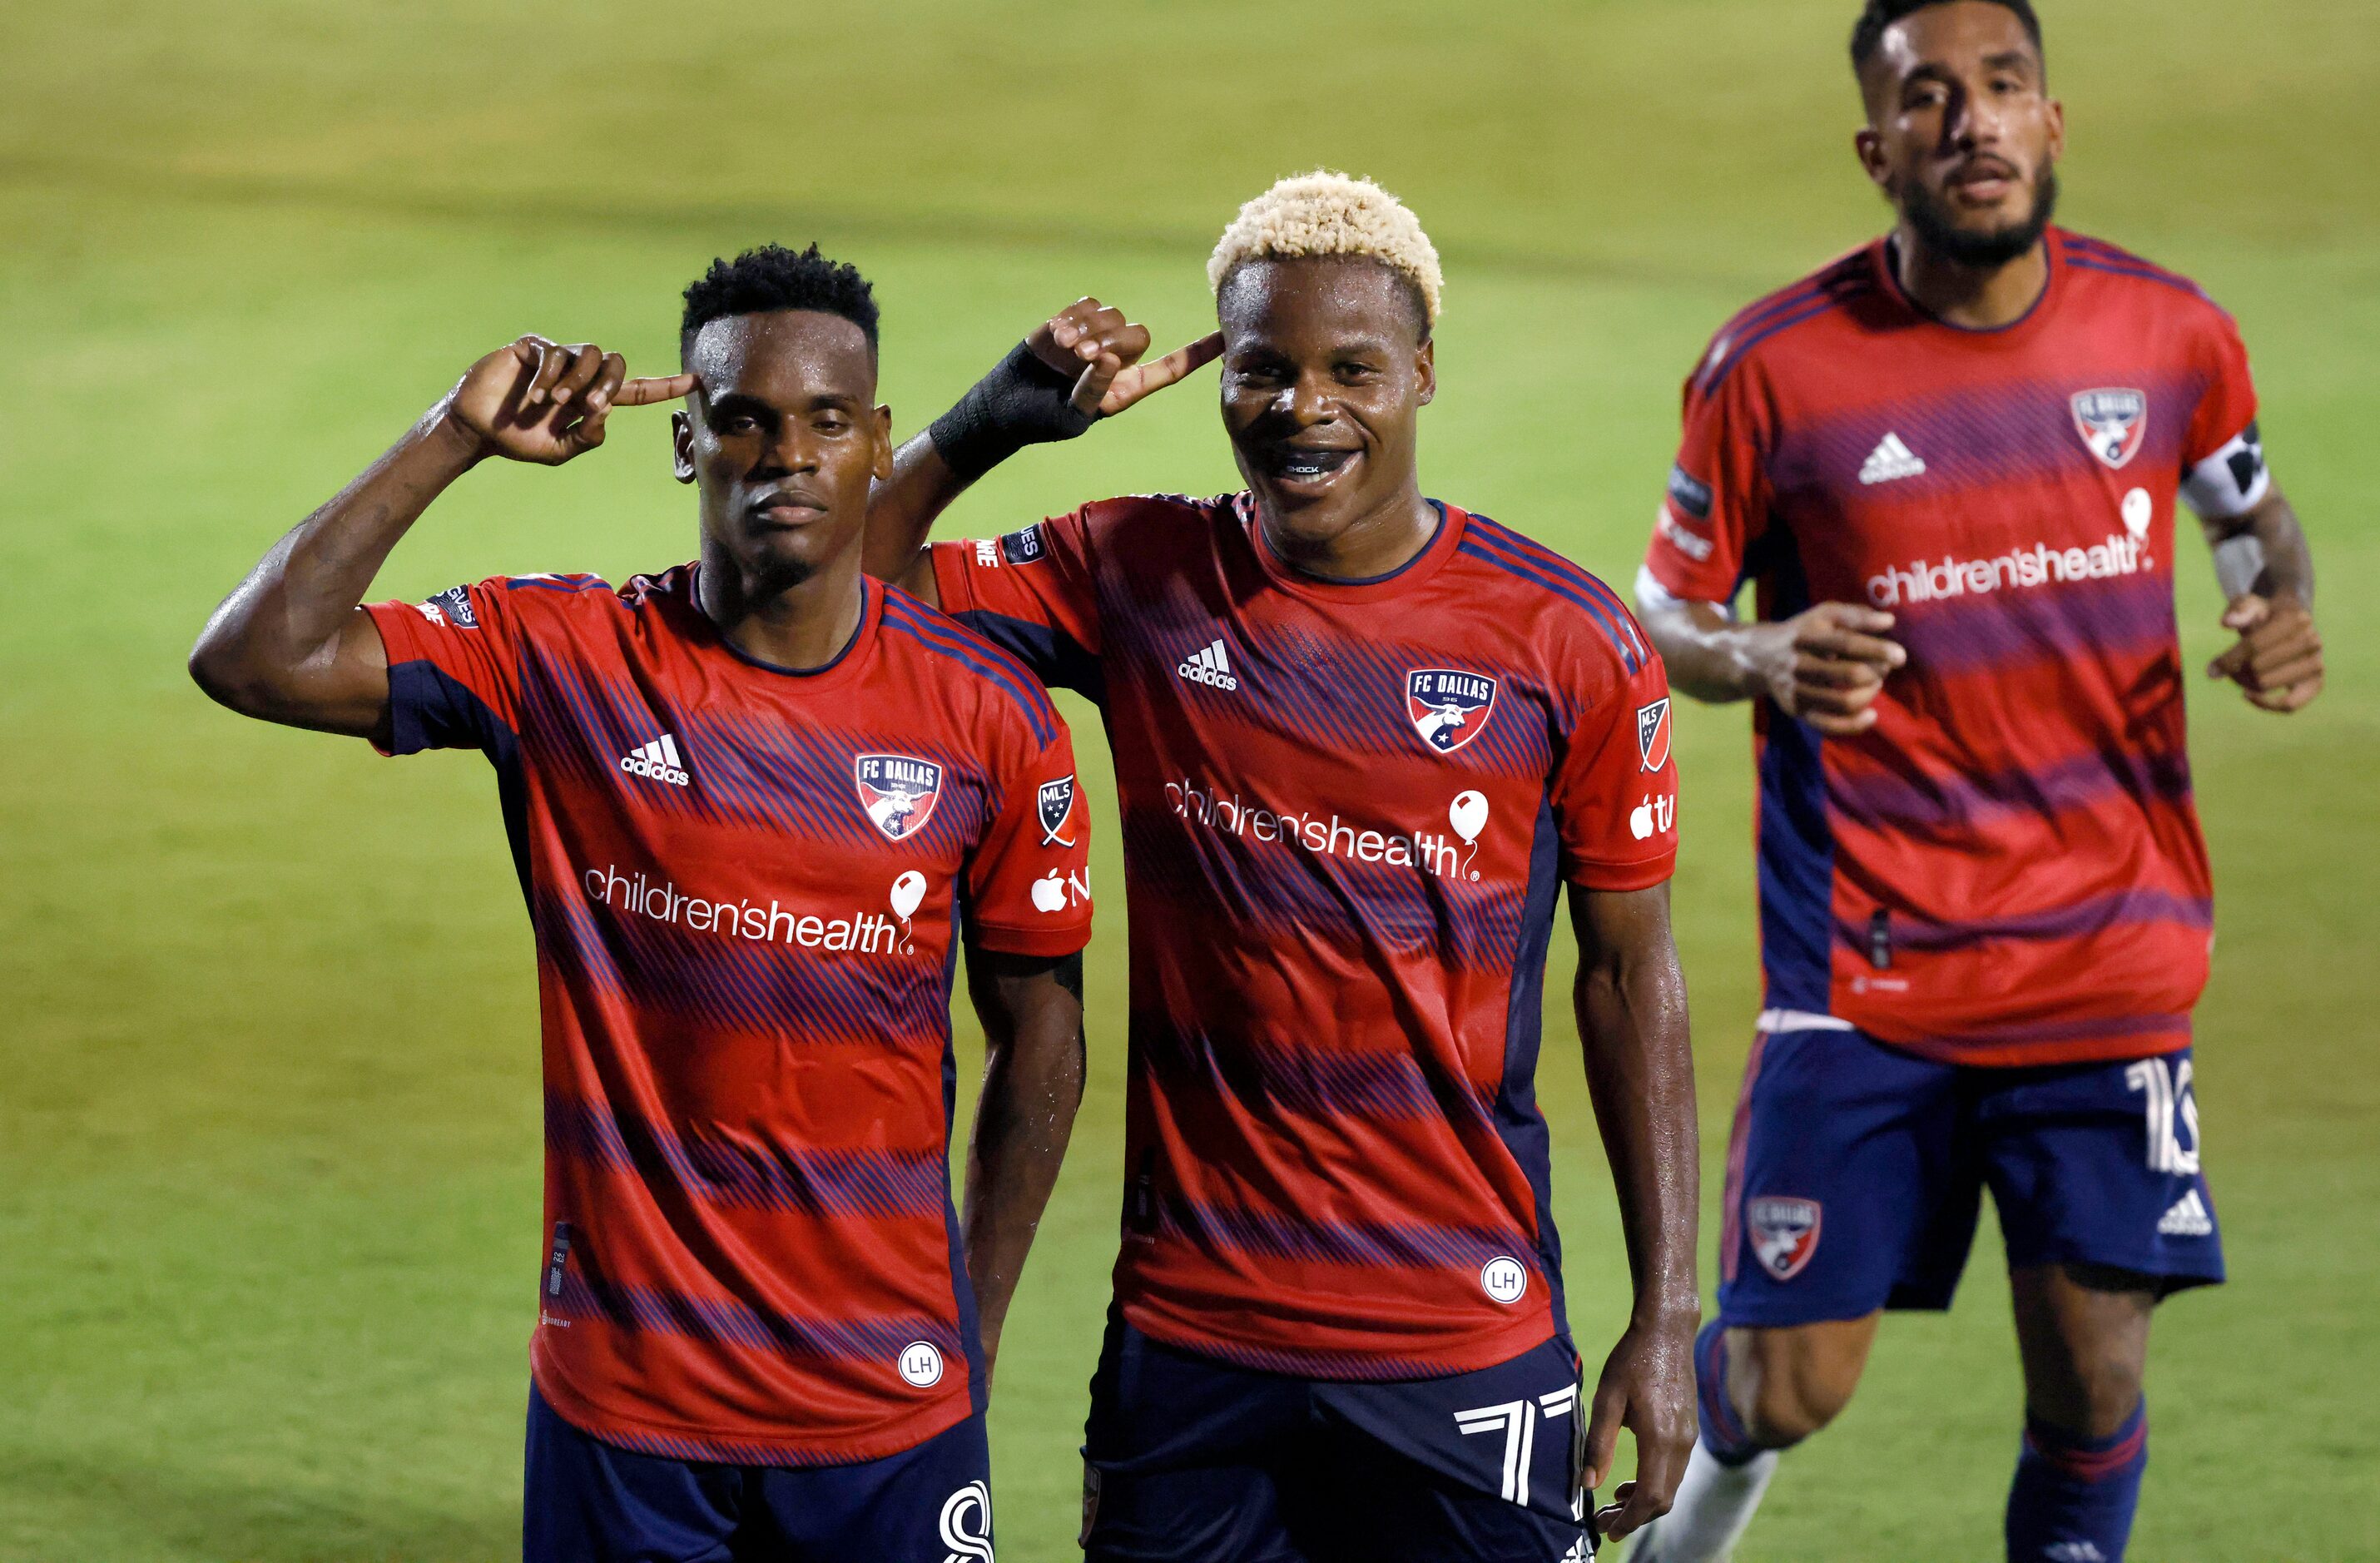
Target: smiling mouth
{"type": "Point", "coordinates": [1293, 464]}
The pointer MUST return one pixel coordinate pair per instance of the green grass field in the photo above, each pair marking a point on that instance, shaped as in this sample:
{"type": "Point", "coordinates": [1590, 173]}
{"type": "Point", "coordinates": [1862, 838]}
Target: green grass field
{"type": "Point", "coordinates": [269, 1140]}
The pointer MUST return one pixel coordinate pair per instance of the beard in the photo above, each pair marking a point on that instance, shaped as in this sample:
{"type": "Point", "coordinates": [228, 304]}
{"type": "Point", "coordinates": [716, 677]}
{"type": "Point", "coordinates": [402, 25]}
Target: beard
{"type": "Point", "coordinates": [1930, 218]}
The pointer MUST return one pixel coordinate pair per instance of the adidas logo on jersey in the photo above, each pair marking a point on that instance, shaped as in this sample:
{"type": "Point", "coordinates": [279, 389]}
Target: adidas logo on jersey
{"type": "Point", "coordinates": [2188, 1218]}
{"type": "Point", "coordinates": [1210, 665]}
{"type": "Point", "coordinates": [1890, 461]}
{"type": "Point", "coordinates": [657, 761]}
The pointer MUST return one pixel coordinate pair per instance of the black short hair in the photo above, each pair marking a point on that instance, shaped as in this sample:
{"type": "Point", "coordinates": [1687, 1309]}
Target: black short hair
{"type": "Point", "coordinates": [1868, 33]}
{"type": "Point", "coordinates": [773, 277]}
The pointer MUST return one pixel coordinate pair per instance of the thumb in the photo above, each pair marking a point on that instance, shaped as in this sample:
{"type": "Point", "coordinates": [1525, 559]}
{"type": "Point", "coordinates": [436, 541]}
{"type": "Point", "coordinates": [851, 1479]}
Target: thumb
{"type": "Point", "coordinates": [2230, 664]}
{"type": "Point", "coordinates": [1092, 388]}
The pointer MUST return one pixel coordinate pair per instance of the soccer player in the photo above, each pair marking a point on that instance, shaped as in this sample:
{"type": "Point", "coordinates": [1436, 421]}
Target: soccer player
{"type": "Point", "coordinates": [746, 798]}
{"type": "Point", "coordinates": [1339, 1328]}
{"type": "Point", "coordinates": [1948, 463]}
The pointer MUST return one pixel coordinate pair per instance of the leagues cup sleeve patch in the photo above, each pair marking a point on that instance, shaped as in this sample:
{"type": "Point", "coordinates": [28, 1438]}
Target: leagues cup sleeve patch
{"type": "Point", "coordinates": [1784, 1233]}
{"type": "Point", "coordinates": [1448, 707]}
{"type": "Point", "coordinates": [2113, 423]}
{"type": "Point", "coordinates": [1057, 804]}
{"type": "Point", "coordinates": [1023, 548]}
{"type": "Point", "coordinates": [452, 606]}
{"type": "Point", "coordinates": [898, 791]}
{"type": "Point", "coordinates": [1653, 733]}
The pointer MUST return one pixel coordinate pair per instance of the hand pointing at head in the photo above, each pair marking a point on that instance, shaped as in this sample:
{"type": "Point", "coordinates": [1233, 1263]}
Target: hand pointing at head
{"type": "Point", "coordinates": [540, 401]}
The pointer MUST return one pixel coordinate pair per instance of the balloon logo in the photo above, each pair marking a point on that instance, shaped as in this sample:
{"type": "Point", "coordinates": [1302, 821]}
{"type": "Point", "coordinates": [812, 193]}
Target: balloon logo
{"type": "Point", "coordinates": [908, 892]}
{"type": "Point", "coordinates": [1468, 815]}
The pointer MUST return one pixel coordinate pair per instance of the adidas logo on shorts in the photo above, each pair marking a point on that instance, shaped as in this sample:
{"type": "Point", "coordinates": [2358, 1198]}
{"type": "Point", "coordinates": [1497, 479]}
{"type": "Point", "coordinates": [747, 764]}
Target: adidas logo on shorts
{"type": "Point", "coordinates": [2189, 1218]}
{"type": "Point", "coordinates": [1210, 665]}
{"type": "Point", "coordinates": [657, 761]}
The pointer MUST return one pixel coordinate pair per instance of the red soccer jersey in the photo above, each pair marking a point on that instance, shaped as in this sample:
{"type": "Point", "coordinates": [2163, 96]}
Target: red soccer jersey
{"type": "Point", "coordinates": [742, 881]}
{"type": "Point", "coordinates": [1347, 811]}
{"type": "Point", "coordinates": [2007, 868]}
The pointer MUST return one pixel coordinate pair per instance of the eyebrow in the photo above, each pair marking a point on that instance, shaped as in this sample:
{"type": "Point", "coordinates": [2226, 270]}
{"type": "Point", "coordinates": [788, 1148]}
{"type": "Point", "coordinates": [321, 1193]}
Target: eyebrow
{"type": "Point", "coordinates": [740, 400]}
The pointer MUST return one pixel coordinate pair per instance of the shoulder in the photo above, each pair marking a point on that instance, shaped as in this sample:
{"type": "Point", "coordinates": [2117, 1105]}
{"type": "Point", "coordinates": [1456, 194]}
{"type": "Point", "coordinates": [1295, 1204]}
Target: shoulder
{"type": "Point", "coordinates": [2142, 284]}
{"type": "Point", "coordinates": [950, 652]}
{"type": "Point", "coordinates": [1171, 515]}
{"type": "Point", "coordinates": [1571, 609]}
{"type": "Point", "coordinates": [1766, 328]}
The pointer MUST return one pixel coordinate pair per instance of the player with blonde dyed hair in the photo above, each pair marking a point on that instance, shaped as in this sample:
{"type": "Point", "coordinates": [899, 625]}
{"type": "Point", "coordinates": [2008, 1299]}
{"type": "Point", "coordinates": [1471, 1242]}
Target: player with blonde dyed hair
{"type": "Point", "coordinates": [1362, 741]}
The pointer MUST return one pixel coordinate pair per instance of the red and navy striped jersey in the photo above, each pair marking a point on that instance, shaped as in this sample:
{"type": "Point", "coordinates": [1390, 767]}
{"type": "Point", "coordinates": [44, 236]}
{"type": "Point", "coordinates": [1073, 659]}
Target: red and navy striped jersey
{"type": "Point", "coordinates": [2007, 868]}
{"type": "Point", "coordinates": [742, 880]}
{"type": "Point", "coordinates": [1347, 811]}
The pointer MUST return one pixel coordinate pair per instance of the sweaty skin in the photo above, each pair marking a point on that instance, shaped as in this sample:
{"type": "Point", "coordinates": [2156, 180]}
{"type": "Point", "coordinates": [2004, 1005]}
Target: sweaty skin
{"type": "Point", "coordinates": [783, 440]}
{"type": "Point", "coordinates": [1960, 121]}
{"type": "Point", "coordinates": [1326, 368]}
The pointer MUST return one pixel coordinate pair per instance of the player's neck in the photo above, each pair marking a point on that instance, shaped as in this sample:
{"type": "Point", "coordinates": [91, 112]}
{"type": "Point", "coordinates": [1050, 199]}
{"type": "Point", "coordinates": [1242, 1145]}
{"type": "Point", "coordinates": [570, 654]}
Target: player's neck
{"type": "Point", "coordinates": [1381, 541]}
{"type": "Point", "coordinates": [802, 626]}
{"type": "Point", "coordinates": [1975, 298]}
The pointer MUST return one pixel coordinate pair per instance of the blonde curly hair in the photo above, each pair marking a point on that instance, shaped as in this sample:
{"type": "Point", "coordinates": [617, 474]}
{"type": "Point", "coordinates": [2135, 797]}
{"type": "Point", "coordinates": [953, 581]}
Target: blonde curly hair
{"type": "Point", "coordinates": [1331, 214]}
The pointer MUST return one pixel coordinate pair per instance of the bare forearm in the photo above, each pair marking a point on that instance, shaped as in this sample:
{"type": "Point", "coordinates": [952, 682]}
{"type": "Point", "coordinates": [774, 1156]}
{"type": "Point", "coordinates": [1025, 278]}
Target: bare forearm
{"type": "Point", "coordinates": [2281, 563]}
{"type": "Point", "coordinates": [1033, 1084]}
{"type": "Point", "coordinates": [1632, 1015]}
{"type": "Point", "coordinates": [284, 623]}
{"type": "Point", "coordinates": [902, 511]}
{"type": "Point", "coordinates": [1710, 656]}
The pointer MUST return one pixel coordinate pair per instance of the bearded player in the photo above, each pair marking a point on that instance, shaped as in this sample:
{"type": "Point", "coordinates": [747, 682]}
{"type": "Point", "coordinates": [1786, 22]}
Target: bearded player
{"type": "Point", "coordinates": [1948, 463]}
{"type": "Point", "coordinates": [755, 1333]}
{"type": "Point", "coordinates": [1338, 1329]}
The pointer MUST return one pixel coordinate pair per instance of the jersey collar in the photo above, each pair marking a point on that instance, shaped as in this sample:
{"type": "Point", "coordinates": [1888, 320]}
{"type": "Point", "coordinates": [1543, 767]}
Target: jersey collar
{"type": "Point", "coordinates": [1405, 578]}
{"type": "Point", "coordinates": [835, 671]}
{"type": "Point", "coordinates": [2054, 248]}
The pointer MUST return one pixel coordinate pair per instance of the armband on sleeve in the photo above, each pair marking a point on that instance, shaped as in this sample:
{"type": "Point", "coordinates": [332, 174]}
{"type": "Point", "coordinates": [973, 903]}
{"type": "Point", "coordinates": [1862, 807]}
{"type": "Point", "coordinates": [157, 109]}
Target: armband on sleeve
{"type": "Point", "coordinates": [2232, 481]}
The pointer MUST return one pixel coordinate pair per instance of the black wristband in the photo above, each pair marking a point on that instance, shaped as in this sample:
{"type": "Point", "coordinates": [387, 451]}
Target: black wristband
{"type": "Point", "coordinates": [1022, 402]}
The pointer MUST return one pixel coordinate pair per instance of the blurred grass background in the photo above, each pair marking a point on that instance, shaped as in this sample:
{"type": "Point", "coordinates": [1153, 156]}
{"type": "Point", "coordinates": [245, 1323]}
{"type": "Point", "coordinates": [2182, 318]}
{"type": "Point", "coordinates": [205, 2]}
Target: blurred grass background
{"type": "Point", "coordinates": [268, 1141]}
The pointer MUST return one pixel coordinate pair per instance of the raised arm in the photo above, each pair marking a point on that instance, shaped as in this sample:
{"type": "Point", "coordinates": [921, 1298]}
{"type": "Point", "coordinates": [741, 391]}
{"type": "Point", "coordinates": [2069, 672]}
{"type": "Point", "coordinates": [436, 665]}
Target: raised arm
{"type": "Point", "coordinates": [291, 643]}
{"type": "Point", "coordinates": [1631, 1005]}
{"type": "Point", "coordinates": [1079, 367]}
{"type": "Point", "coordinates": [1032, 1013]}
{"type": "Point", "coordinates": [2267, 571]}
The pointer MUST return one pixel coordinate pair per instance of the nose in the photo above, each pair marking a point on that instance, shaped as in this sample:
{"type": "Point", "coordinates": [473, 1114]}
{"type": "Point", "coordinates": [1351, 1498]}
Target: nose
{"type": "Point", "coordinates": [1973, 122]}
{"type": "Point", "coordinates": [791, 450]}
{"type": "Point", "coordinates": [1306, 401]}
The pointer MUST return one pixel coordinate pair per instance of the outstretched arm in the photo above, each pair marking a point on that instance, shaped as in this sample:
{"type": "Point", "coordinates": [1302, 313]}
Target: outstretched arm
{"type": "Point", "coordinates": [1080, 366]}
{"type": "Point", "coordinates": [2267, 571]}
{"type": "Point", "coordinates": [290, 644]}
{"type": "Point", "coordinates": [1032, 1013]}
{"type": "Point", "coordinates": [1631, 1005]}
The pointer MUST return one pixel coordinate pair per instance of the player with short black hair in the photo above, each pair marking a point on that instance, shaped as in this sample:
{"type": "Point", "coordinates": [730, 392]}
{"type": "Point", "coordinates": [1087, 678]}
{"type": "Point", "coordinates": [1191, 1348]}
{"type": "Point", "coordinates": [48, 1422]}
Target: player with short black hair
{"type": "Point", "coordinates": [1950, 463]}
{"type": "Point", "coordinates": [746, 796]}
{"type": "Point", "coordinates": [1365, 742]}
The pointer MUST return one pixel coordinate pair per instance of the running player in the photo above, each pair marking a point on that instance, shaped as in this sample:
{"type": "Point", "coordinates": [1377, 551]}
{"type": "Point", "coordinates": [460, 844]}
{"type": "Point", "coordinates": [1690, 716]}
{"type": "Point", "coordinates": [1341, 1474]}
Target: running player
{"type": "Point", "coordinates": [755, 1331]}
{"type": "Point", "coordinates": [1948, 464]}
{"type": "Point", "coordinates": [1339, 1331]}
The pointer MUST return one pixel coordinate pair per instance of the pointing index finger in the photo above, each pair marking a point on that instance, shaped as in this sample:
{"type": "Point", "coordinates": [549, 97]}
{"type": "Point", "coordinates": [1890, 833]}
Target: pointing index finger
{"type": "Point", "coordinates": [1142, 378]}
{"type": "Point", "coordinates": [657, 388]}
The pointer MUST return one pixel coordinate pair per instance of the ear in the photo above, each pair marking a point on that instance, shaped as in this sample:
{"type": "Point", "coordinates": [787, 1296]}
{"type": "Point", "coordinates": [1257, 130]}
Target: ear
{"type": "Point", "coordinates": [1425, 364]}
{"type": "Point", "coordinates": [2057, 130]}
{"type": "Point", "coordinates": [883, 467]}
{"type": "Point", "coordinates": [682, 444]}
{"type": "Point", "coordinates": [1868, 142]}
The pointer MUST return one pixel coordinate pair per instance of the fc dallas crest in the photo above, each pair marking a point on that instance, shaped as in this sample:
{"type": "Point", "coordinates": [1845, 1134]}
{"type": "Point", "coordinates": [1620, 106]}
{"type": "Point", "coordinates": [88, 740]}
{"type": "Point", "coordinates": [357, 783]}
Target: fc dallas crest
{"type": "Point", "coordinates": [1448, 706]}
{"type": "Point", "coordinates": [898, 791]}
{"type": "Point", "coordinates": [1784, 1233]}
{"type": "Point", "coordinates": [2113, 423]}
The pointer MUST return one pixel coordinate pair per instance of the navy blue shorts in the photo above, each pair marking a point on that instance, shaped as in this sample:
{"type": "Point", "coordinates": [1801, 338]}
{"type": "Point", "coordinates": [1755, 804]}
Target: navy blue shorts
{"type": "Point", "coordinates": [1857, 1169]}
{"type": "Point", "coordinates": [592, 1502]}
{"type": "Point", "coordinates": [1188, 1460]}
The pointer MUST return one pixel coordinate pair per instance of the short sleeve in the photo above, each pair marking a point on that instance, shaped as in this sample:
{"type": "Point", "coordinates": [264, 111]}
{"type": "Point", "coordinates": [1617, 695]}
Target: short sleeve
{"type": "Point", "coordinates": [452, 679]}
{"type": "Point", "coordinates": [1032, 594]}
{"type": "Point", "coordinates": [1615, 783]}
{"type": "Point", "coordinates": [1717, 500]}
{"type": "Point", "coordinates": [2223, 454]}
{"type": "Point", "coordinates": [1029, 882]}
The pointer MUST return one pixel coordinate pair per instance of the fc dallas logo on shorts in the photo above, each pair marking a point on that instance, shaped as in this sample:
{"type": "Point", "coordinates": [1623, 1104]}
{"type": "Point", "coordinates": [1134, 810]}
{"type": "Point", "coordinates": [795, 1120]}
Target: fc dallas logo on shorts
{"type": "Point", "coordinates": [1784, 1233]}
{"type": "Point", "coordinates": [898, 791]}
{"type": "Point", "coordinates": [2113, 423]}
{"type": "Point", "coordinates": [1448, 706]}
{"type": "Point", "coordinates": [1653, 733]}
